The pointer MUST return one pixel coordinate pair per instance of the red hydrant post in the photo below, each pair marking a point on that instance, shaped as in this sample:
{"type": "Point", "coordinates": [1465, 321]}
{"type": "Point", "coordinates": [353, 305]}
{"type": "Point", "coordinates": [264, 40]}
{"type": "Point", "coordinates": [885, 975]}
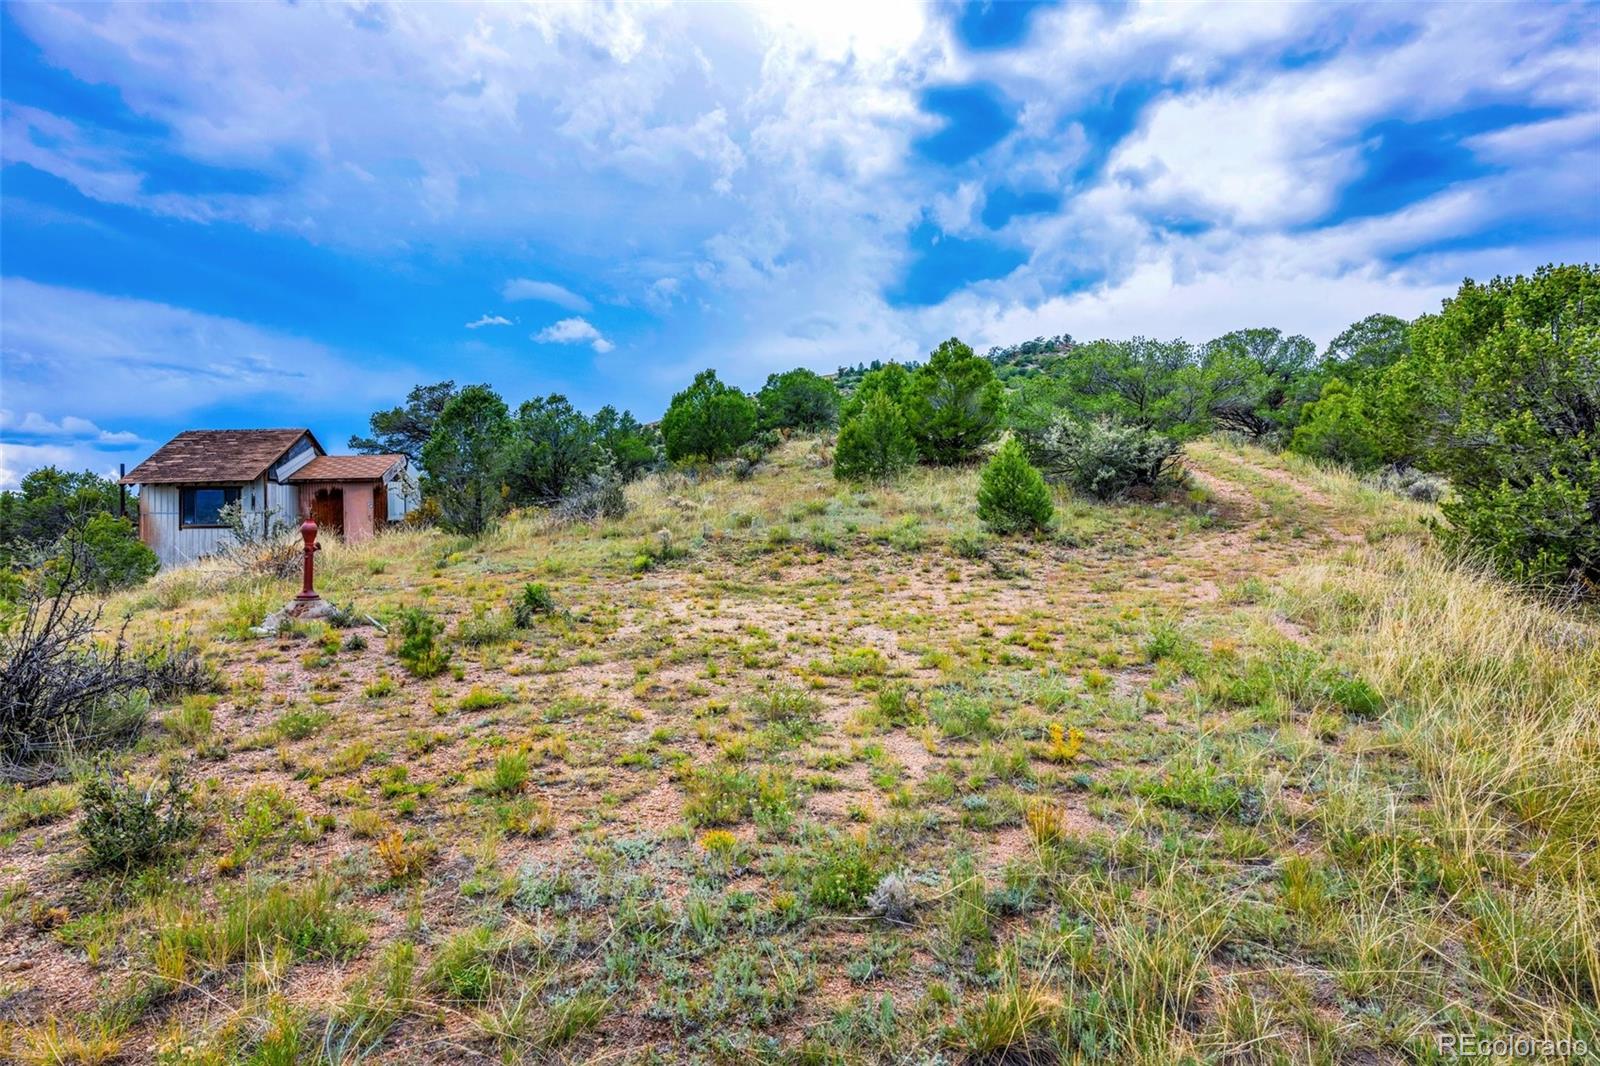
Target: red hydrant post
{"type": "Point", "coordinates": [308, 532]}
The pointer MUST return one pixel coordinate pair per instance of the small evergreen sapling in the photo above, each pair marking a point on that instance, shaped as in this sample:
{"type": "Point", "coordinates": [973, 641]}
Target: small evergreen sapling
{"type": "Point", "coordinates": [1012, 495]}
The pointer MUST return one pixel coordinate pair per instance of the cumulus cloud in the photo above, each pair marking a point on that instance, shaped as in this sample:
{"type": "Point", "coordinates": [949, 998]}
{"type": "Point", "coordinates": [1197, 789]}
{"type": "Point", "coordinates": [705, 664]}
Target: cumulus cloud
{"type": "Point", "coordinates": [34, 424]}
{"type": "Point", "coordinates": [574, 331]}
{"type": "Point", "coordinates": [489, 320]}
{"type": "Point", "coordinates": [746, 179]}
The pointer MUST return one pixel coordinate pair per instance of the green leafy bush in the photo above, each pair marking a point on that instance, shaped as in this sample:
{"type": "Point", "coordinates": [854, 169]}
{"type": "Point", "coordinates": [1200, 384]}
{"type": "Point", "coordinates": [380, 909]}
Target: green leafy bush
{"type": "Point", "coordinates": [708, 420]}
{"type": "Point", "coordinates": [551, 448]}
{"type": "Point", "coordinates": [125, 826]}
{"type": "Point", "coordinates": [419, 650]}
{"type": "Point", "coordinates": [843, 875]}
{"type": "Point", "coordinates": [1104, 458]}
{"type": "Point", "coordinates": [1012, 495]}
{"type": "Point", "coordinates": [876, 444]}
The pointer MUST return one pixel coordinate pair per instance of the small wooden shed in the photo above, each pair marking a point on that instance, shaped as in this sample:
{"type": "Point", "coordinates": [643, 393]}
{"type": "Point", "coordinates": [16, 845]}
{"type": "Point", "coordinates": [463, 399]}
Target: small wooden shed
{"type": "Point", "coordinates": [350, 494]}
{"type": "Point", "coordinates": [186, 483]}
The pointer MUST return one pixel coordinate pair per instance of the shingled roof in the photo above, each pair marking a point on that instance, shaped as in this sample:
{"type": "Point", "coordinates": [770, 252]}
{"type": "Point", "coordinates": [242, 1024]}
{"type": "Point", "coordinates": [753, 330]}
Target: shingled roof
{"type": "Point", "coordinates": [347, 468]}
{"type": "Point", "coordinates": [214, 456]}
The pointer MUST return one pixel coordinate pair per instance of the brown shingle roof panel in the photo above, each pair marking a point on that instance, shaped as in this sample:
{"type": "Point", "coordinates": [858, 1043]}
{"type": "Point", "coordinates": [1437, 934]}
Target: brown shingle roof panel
{"type": "Point", "coordinates": [214, 456]}
{"type": "Point", "coordinates": [347, 468]}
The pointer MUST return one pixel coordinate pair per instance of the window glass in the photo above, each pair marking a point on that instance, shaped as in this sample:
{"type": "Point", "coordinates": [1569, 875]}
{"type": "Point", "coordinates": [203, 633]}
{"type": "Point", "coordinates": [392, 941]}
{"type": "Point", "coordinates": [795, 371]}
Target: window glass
{"type": "Point", "coordinates": [200, 506]}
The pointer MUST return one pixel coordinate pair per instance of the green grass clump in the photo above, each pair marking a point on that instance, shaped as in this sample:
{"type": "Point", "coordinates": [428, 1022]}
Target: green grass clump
{"type": "Point", "coordinates": [508, 776]}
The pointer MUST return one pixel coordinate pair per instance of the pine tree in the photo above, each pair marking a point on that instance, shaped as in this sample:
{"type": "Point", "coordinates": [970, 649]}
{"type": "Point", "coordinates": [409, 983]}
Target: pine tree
{"type": "Point", "coordinates": [1012, 495]}
{"type": "Point", "coordinates": [876, 444]}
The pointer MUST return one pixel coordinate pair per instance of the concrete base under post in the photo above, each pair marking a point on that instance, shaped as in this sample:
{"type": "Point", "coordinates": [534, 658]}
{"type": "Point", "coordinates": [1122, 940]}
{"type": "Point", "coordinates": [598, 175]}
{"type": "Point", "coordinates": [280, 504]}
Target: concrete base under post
{"type": "Point", "coordinates": [296, 610]}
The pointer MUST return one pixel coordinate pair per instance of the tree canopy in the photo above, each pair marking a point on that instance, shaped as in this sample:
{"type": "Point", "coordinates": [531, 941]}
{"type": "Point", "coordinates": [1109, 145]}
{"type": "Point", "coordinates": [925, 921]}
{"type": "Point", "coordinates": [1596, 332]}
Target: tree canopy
{"type": "Point", "coordinates": [708, 420]}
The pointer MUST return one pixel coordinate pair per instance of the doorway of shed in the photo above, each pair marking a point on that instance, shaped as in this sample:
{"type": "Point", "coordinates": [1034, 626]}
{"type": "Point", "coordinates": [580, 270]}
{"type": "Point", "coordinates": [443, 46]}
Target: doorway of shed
{"type": "Point", "coordinates": [327, 509]}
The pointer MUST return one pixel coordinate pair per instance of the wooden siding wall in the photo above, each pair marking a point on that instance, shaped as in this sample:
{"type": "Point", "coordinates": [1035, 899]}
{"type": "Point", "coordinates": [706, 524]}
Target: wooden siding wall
{"type": "Point", "coordinates": [159, 519]}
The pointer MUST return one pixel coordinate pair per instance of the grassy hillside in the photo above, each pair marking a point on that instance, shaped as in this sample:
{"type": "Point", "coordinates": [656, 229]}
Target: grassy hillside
{"type": "Point", "coordinates": [796, 771]}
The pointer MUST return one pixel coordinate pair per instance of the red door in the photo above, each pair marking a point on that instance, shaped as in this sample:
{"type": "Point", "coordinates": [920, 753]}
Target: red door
{"type": "Point", "coordinates": [327, 509]}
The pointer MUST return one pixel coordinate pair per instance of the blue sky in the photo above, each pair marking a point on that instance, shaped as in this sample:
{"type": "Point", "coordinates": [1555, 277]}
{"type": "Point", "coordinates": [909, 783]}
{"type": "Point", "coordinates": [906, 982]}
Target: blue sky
{"type": "Point", "coordinates": [287, 214]}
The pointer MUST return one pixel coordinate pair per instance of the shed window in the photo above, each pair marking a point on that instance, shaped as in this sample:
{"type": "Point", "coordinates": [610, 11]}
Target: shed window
{"type": "Point", "coordinates": [200, 506]}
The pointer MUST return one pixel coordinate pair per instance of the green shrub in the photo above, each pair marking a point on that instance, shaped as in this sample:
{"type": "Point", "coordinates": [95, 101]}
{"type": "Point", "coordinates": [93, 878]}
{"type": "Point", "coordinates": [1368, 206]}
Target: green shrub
{"type": "Point", "coordinates": [708, 420]}
{"type": "Point", "coordinates": [419, 651]}
{"type": "Point", "coordinates": [1012, 495]}
{"type": "Point", "coordinates": [798, 399]}
{"type": "Point", "coordinates": [1337, 426]}
{"type": "Point", "coordinates": [486, 628]}
{"type": "Point", "coordinates": [1500, 395]}
{"type": "Point", "coordinates": [509, 776]}
{"type": "Point", "coordinates": [115, 556]}
{"type": "Point", "coordinates": [1104, 458]}
{"type": "Point", "coordinates": [954, 404]}
{"type": "Point", "coordinates": [971, 543]}
{"type": "Point", "coordinates": [125, 826]}
{"type": "Point", "coordinates": [534, 603]}
{"type": "Point", "coordinates": [843, 875]}
{"type": "Point", "coordinates": [876, 444]}
{"type": "Point", "coordinates": [891, 380]}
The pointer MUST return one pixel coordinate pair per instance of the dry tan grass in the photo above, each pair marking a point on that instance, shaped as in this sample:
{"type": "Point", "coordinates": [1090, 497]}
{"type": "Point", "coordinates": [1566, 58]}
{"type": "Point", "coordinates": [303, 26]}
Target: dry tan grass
{"type": "Point", "coordinates": [1232, 865]}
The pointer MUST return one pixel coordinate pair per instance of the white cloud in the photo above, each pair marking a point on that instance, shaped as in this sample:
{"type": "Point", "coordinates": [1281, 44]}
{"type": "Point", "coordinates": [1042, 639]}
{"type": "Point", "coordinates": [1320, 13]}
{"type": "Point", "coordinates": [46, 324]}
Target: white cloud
{"type": "Point", "coordinates": [574, 331]}
{"type": "Point", "coordinates": [746, 175]}
{"type": "Point", "coordinates": [489, 320]}
{"type": "Point", "coordinates": [33, 424]}
{"type": "Point", "coordinates": [18, 459]}
{"type": "Point", "coordinates": [110, 356]}
{"type": "Point", "coordinates": [547, 291]}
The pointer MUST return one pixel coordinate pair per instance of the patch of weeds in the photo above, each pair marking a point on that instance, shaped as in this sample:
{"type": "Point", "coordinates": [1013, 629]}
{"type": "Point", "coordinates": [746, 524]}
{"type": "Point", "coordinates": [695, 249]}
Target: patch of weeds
{"type": "Point", "coordinates": [660, 551]}
{"type": "Point", "coordinates": [402, 858]}
{"type": "Point", "coordinates": [1061, 745]}
{"type": "Point", "coordinates": [125, 826]}
{"type": "Point", "coordinates": [859, 662]}
{"type": "Point", "coordinates": [527, 816]}
{"type": "Point", "coordinates": [971, 544]}
{"type": "Point", "coordinates": [843, 873]}
{"type": "Point", "coordinates": [965, 919]}
{"type": "Point", "coordinates": [380, 686]}
{"type": "Point", "coordinates": [718, 795]}
{"type": "Point", "coordinates": [787, 706]}
{"type": "Point", "coordinates": [484, 699]}
{"type": "Point", "coordinates": [900, 705]}
{"type": "Point", "coordinates": [1014, 1024]}
{"type": "Point", "coordinates": [486, 628]}
{"type": "Point", "coordinates": [1201, 790]}
{"type": "Point", "coordinates": [1164, 642]}
{"type": "Point", "coordinates": [961, 715]}
{"type": "Point", "coordinates": [463, 968]}
{"type": "Point", "coordinates": [298, 724]}
{"type": "Point", "coordinates": [1354, 696]}
{"type": "Point", "coordinates": [191, 721]}
{"type": "Point", "coordinates": [419, 650]}
{"type": "Point", "coordinates": [23, 808]}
